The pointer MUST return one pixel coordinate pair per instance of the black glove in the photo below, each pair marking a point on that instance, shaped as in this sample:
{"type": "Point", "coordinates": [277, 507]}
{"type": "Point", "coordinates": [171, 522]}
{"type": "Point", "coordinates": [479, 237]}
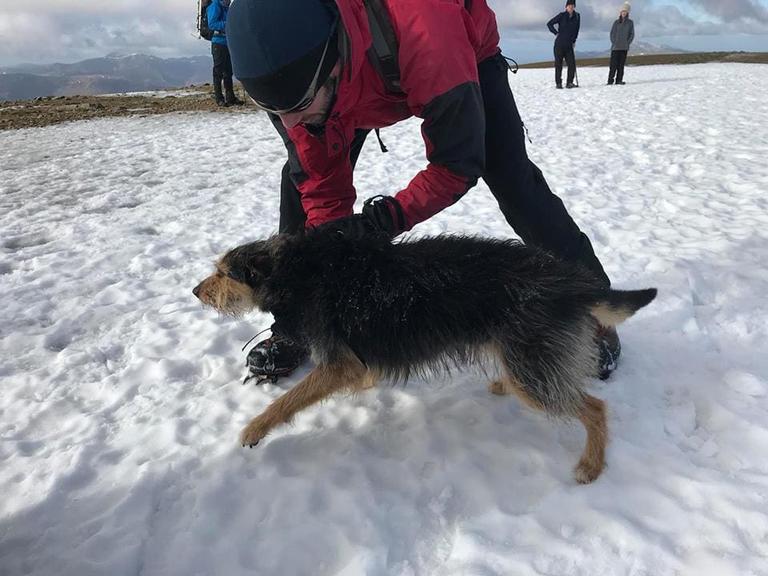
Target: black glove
{"type": "Point", "coordinates": [355, 226]}
{"type": "Point", "coordinates": [381, 215]}
{"type": "Point", "coordinates": [386, 214]}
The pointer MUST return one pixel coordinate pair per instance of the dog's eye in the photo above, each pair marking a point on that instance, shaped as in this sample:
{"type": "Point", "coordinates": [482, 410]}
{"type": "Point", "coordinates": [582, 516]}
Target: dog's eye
{"type": "Point", "coordinates": [236, 276]}
{"type": "Point", "coordinates": [223, 272]}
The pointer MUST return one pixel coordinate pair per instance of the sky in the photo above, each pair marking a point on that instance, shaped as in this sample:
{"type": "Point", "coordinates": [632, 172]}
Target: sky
{"type": "Point", "coordinates": [46, 31]}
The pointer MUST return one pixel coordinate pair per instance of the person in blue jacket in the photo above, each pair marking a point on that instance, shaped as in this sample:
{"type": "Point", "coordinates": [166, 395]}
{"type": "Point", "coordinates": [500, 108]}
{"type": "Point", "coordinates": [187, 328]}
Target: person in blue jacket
{"type": "Point", "coordinates": [222, 63]}
{"type": "Point", "coordinates": [567, 31]}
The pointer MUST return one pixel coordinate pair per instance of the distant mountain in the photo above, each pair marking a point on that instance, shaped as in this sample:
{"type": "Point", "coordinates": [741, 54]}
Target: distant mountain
{"type": "Point", "coordinates": [636, 49]}
{"type": "Point", "coordinates": [114, 73]}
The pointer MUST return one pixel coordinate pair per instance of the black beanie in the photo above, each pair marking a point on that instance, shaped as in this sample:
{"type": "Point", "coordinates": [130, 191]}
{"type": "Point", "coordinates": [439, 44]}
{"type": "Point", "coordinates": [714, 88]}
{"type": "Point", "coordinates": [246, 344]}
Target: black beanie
{"type": "Point", "coordinates": [276, 47]}
{"type": "Point", "coordinates": [570, 2]}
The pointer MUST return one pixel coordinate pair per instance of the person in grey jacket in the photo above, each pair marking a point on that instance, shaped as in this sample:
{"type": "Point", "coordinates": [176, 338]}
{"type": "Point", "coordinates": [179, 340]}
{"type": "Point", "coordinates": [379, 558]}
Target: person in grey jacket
{"type": "Point", "coordinates": [622, 34]}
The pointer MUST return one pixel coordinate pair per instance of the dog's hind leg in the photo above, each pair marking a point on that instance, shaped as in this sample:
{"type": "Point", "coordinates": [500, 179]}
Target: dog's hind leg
{"type": "Point", "coordinates": [589, 410]}
{"type": "Point", "coordinates": [592, 461]}
{"type": "Point", "coordinates": [510, 383]}
{"type": "Point", "coordinates": [324, 380]}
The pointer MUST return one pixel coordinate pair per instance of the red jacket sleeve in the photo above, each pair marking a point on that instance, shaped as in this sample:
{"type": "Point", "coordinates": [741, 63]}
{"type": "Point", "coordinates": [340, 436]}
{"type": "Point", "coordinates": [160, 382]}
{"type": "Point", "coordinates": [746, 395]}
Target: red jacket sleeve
{"type": "Point", "coordinates": [438, 72]}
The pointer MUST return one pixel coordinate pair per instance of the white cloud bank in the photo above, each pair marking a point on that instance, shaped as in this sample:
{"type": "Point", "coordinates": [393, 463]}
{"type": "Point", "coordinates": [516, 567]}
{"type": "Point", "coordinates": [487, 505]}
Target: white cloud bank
{"type": "Point", "coordinates": [44, 30]}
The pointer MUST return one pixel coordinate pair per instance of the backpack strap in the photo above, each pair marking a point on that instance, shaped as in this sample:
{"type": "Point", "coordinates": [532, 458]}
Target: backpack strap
{"type": "Point", "coordinates": [383, 52]}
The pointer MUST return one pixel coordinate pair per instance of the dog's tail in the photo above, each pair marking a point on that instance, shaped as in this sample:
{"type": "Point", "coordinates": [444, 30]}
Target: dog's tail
{"type": "Point", "coordinates": [618, 305]}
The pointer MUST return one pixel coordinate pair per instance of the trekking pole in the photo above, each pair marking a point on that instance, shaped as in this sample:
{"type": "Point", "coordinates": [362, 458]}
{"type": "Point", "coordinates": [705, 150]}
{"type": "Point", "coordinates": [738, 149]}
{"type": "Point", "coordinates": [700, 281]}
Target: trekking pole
{"type": "Point", "coordinates": [198, 18]}
{"type": "Point", "coordinates": [575, 67]}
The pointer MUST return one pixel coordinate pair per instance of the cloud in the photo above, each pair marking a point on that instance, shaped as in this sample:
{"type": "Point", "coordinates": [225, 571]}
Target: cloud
{"type": "Point", "coordinates": [43, 31]}
{"type": "Point", "coordinates": [652, 18]}
{"type": "Point", "coordinates": [52, 30]}
{"type": "Point", "coordinates": [113, 7]}
{"type": "Point", "coordinates": [735, 10]}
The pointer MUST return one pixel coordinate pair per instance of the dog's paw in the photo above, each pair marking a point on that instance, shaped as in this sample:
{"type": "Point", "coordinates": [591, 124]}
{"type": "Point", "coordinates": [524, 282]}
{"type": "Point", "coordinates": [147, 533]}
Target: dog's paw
{"type": "Point", "coordinates": [587, 471]}
{"type": "Point", "coordinates": [253, 433]}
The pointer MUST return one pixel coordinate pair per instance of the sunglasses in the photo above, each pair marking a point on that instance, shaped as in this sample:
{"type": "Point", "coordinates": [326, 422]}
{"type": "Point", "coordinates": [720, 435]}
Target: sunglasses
{"type": "Point", "coordinates": [309, 96]}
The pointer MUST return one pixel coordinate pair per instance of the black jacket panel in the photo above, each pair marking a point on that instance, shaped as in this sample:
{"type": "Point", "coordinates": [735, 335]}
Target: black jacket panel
{"type": "Point", "coordinates": [567, 30]}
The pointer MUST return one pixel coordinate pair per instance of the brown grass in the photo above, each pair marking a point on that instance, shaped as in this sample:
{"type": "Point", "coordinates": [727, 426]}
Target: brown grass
{"type": "Point", "coordinates": [56, 109]}
{"type": "Point", "coordinates": [650, 59]}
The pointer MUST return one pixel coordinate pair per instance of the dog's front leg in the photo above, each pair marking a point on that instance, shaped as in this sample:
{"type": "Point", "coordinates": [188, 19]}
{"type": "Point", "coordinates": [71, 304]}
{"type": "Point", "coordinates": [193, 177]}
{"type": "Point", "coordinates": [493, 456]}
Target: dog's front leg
{"type": "Point", "coordinates": [323, 381]}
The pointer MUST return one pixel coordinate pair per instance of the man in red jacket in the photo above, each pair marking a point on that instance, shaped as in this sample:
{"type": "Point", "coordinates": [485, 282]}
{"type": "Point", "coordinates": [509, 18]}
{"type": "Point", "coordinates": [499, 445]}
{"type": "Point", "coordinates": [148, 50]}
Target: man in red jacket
{"type": "Point", "coordinates": [311, 64]}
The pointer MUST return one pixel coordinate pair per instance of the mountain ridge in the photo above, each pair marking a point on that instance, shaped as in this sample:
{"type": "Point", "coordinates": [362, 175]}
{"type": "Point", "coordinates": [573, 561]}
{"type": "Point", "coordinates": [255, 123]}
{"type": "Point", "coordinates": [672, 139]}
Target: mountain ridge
{"type": "Point", "coordinates": [105, 75]}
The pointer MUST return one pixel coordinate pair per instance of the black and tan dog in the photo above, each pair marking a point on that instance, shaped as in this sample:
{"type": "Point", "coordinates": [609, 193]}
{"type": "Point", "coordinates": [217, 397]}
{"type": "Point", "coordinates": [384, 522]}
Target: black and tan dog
{"type": "Point", "coordinates": [369, 309]}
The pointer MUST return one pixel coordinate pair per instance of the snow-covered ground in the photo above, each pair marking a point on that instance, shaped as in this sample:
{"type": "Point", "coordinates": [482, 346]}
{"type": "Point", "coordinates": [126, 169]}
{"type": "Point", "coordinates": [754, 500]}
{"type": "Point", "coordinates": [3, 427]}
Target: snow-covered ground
{"type": "Point", "coordinates": [159, 93]}
{"type": "Point", "coordinates": [121, 403]}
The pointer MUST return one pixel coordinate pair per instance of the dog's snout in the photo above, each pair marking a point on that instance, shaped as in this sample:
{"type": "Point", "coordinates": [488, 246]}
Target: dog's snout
{"type": "Point", "coordinates": [196, 291]}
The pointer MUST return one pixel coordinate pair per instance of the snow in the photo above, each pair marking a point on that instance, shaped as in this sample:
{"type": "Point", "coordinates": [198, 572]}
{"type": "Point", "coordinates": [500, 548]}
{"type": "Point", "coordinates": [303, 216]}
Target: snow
{"type": "Point", "coordinates": [120, 396]}
{"type": "Point", "coordinates": [158, 93]}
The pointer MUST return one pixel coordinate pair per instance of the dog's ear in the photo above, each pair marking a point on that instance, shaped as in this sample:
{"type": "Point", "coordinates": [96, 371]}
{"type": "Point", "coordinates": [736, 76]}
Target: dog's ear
{"type": "Point", "coordinates": [276, 244]}
{"type": "Point", "coordinates": [253, 263]}
{"type": "Point", "coordinates": [250, 263]}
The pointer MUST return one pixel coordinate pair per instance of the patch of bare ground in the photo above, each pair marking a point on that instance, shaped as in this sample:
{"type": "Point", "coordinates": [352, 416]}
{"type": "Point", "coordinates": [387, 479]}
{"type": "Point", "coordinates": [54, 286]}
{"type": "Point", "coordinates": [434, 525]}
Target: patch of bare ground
{"type": "Point", "coordinates": [45, 111]}
{"type": "Point", "coordinates": [685, 58]}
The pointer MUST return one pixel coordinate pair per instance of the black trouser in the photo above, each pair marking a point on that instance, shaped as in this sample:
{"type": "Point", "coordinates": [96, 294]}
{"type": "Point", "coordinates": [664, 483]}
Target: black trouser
{"type": "Point", "coordinates": [534, 212]}
{"type": "Point", "coordinates": [564, 52]}
{"type": "Point", "coordinates": [222, 70]}
{"type": "Point", "coordinates": [618, 59]}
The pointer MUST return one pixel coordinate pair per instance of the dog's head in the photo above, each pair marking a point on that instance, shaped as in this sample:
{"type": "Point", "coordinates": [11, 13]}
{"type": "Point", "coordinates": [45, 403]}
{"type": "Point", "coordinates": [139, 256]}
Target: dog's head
{"type": "Point", "coordinates": [237, 285]}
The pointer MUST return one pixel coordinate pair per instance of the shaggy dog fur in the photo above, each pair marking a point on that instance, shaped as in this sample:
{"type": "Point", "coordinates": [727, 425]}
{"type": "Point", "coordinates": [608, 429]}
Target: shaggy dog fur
{"type": "Point", "coordinates": [368, 308]}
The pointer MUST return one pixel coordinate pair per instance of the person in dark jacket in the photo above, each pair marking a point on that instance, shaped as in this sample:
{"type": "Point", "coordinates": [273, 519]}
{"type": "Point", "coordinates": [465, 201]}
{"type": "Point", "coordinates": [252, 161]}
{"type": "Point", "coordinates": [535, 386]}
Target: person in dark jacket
{"type": "Point", "coordinates": [566, 33]}
{"type": "Point", "coordinates": [222, 63]}
{"type": "Point", "coordinates": [622, 34]}
{"type": "Point", "coordinates": [307, 63]}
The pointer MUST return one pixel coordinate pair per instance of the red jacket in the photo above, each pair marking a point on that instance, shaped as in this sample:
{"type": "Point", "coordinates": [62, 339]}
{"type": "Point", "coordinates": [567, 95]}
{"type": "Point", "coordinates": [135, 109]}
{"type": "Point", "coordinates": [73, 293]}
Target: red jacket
{"type": "Point", "coordinates": [440, 44]}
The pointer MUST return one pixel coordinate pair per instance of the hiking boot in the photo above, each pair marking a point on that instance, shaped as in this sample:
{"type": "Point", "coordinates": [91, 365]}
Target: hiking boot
{"type": "Point", "coordinates": [229, 91]}
{"type": "Point", "coordinates": [559, 86]}
{"type": "Point", "coordinates": [610, 82]}
{"type": "Point", "coordinates": [571, 85]}
{"type": "Point", "coordinates": [218, 95]}
{"type": "Point", "coordinates": [609, 346]}
{"type": "Point", "coordinates": [273, 358]}
{"type": "Point", "coordinates": [621, 82]}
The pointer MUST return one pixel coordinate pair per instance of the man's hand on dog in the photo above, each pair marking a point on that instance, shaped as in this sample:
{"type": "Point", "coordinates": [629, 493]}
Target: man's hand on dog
{"type": "Point", "coordinates": [380, 215]}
